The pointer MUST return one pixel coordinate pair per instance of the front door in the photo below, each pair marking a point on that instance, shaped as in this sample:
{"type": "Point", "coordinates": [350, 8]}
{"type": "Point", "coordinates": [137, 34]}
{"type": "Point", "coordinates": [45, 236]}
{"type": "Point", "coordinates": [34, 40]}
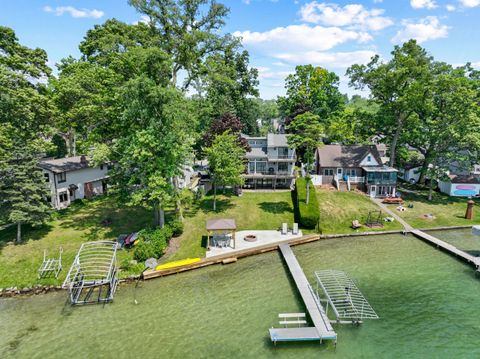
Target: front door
{"type": "Point", "coordinates": [373, 191]}
{"type": "Point", "coordinates": [339, 173]}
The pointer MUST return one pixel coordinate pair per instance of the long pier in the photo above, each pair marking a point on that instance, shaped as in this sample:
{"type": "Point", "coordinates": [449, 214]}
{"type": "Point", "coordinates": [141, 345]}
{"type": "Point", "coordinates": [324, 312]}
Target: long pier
{"type": "Point", "coordinates": [322, 329]}
{"type": "Point", "coordinates": [447, 247]}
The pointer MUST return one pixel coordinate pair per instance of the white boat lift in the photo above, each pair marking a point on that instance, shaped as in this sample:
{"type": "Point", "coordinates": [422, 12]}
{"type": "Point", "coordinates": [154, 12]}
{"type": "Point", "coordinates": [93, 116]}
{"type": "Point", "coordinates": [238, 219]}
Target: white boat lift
{"type": "Point", "coordinates": [344, 297]}
{"type": "Point", "coordinates": [50, 266]}
{"type": "Point", "coordinates": [92, 278]}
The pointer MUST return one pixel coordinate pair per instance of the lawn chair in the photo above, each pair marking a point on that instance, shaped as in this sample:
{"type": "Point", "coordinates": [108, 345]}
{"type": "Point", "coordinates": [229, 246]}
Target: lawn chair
{"type": "Point", "coordinates": [295, 229]}
{"type": "Point", "coordinates": [284, 228]}
{"type": "Point", "coordinates": [50, 265]}
{"type": "Point", "coordinates": [356, 224]}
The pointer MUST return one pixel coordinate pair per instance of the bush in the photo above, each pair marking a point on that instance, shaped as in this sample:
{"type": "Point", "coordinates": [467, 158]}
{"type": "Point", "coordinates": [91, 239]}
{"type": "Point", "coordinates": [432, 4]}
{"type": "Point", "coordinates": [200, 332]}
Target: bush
{"type": "Point", "coordinates": [309, 215]}
{"type": "Point", "coordinates": [177, 228]}
{"type": "Point", "coordinates": [143, 251]}
{"type": "Point", "coordinates": [152, 242]}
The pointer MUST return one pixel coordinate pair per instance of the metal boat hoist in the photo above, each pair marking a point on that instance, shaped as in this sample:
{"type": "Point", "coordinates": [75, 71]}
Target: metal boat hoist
{"type": "Point", "coordinates": [92, 278]}
{"type": "Point", "coordinates": [342, 295]}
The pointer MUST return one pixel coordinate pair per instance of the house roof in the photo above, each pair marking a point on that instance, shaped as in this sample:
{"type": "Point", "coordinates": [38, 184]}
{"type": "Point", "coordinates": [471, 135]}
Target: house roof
{"type": "Point", "coordinates": [472, 179]}
{"type": "Point", "coordinates": [66, 164]}
{"type": "Point", "coordinates": [221, 224]}
{"type": "Point", "coordinates": [346, 156]}
{"type": "Point", "coordinates": [277, 140]}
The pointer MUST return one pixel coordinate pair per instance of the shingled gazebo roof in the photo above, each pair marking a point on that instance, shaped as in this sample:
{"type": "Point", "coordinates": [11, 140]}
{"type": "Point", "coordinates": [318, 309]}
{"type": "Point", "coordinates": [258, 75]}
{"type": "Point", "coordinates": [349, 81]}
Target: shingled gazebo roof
{"type": "Point", "coordinates": [221, 224]}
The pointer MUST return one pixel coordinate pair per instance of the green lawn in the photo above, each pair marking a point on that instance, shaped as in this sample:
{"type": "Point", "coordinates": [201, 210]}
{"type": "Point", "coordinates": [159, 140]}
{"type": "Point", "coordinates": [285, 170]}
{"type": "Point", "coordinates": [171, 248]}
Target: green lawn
{"type": "Point", "coordinates": [253, 210]}
{"type": "Point", "coordinates": [77, 224]}
{"type": "Point", "coordinates": [446, 210]}
{"type": "Point", "coordinates": [339, 208]}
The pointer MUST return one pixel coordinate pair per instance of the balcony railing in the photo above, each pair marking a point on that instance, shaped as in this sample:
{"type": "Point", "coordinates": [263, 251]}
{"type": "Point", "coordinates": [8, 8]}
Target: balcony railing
{"type": "Point", "coordinates": [273, 173]}
{"type": "Point", "coordinates": [281, 157]}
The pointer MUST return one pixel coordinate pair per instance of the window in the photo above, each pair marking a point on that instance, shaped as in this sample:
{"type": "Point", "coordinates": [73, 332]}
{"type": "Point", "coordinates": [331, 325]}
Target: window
{"type": "Point", "coordinates": [251, 167]}
{"type": "Point", "coordinates": [328, 172]}
{"type": "Point", "coordinates": [261, 167]}
{"type": "Point", "coordinates": [339, 171]}
{"type": "Point", "coordinates": [62, 177]}
{"type": "Point", "coordinates": [47, 177]}
{"type": "Point", "coordinates": [353, 173]}
{"type": "Point", "coordinates": [63, 197]}
{"type": "Point", "coordinates": [282, 167]}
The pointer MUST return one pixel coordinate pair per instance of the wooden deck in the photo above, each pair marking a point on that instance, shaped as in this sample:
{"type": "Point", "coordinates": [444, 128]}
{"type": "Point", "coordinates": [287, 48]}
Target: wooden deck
{"type": "Point", "coordinates": [323, 328]}
{"type": "Point", "coordinates": [447, 247]}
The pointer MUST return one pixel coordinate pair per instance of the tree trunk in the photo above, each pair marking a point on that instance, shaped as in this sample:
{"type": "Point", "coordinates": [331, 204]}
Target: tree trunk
{"type": "Point", "coordinates": [70, 143]}
{"type": "Point", "coordinates": [214, 196]}
{"type": "Point", "coordinates": [178, 203]}
{"type": "Point", "coordinates": [396, 136]}
{"type": "Point", "coordinates": [159, 215]}
{"type": "Point", "coordinates": [423, 170]}
{"type": "Point", "coordinates": [308, 191]}
{"type": "Point", "coordinates": [19, 233]}
{"type": "Point", "coordinates": [430, 190]}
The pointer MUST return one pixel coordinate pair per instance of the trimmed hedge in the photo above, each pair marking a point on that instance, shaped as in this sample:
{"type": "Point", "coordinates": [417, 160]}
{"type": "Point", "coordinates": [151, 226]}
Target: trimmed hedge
{"type": "Point", "coordinates": [309, 215]}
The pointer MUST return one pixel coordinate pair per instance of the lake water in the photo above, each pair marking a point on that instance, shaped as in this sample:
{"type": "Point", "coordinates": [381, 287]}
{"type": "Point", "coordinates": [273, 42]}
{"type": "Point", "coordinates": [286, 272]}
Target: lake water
{"type": "Point", "coordinates": [428, 303]}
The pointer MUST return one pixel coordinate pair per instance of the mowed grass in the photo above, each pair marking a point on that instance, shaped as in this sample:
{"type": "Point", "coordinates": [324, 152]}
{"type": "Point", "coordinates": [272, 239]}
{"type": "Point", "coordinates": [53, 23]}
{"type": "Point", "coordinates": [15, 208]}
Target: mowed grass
{"type": "Point", "coordinates": [252, 210]}
{"type": "Point", "coordinates": [72, 227]}
{"type": "Point", "coordinates": [447, 211]}
{"type": "Point", "coordinates": [339, 208]}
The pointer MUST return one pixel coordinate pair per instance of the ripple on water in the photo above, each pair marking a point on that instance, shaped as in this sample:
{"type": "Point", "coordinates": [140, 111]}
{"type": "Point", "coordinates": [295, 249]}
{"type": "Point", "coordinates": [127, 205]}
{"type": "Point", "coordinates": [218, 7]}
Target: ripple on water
{"type": "Point", "coordinates": [428, 303]}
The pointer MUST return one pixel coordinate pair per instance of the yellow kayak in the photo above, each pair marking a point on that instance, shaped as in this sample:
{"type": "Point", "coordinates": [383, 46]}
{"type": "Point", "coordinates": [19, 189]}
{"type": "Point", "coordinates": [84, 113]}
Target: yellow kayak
{"type": "Point", "coordinates": [177, 263]}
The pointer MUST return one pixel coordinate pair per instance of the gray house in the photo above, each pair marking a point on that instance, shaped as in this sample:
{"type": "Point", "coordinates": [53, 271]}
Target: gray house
{"type": "Point", "coordinates": [270, 162]}
{"type": "Point", "coordinates": [355, 166]}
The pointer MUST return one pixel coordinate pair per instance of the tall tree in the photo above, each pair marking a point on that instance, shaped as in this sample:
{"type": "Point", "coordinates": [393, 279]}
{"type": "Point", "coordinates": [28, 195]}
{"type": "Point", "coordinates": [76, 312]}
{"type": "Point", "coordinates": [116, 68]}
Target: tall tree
{"type": "Point", "coordinates": [22, 189]}
{"type": "Point", "coordinates": [24, 127]}
{"type": "Point", "coordinates": [156, 143]}
{"type": "Point", "coordinates": [226, 161]}
{"type": "Point", "coordinates": [396, 86]}
{"type": "Point", "coordinates": [311, 89]}
{"type": "Point", "coordinates": [307, 131]}
{"type": "Point", "coordinates": [226, 122]}
{"type": "Point", "coordinates": [186, 32]}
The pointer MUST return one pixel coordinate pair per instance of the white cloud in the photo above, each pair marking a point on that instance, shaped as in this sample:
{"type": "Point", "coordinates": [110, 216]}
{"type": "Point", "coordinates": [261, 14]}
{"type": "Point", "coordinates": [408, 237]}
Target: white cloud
{"type": "Point", "coordinates": [334, 60]}
{"type": "Point", "coordinates": [300, 37]}
{"type": "Point", "coordinates": [351, 15]}
{"type": "Point", "coordinates": [423, 4]}
{"type": "Point", "coordinates": [428, 28]}
{"type": "Point", "coordinates": [77, 13]}
{"type": "Point", "coordinates": [377, 1]}
{"type": "Point", "coordinates": [450, 7]}
{"type": "Point", "coordinates": [470, 3]}
{"type": "Point", "coordinates": [143, 19]}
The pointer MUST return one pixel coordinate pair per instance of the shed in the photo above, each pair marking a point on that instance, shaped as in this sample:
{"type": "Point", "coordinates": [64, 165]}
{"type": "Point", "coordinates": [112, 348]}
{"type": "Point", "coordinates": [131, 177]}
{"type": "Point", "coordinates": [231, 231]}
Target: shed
{"type": "Point", "coordinates": [221, 225]}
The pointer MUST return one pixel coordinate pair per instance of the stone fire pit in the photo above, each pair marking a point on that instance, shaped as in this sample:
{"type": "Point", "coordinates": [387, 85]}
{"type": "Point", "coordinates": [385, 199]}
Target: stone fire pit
{"type": "Point", "coordinates": [250, 238]}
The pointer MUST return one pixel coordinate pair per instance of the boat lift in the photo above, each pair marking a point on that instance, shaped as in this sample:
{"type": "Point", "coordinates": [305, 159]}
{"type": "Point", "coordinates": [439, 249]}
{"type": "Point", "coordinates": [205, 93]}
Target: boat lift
{"type": "Point", "coordinates": [342, 295]}
{"type": "Point", "coordinates": [92, 278]}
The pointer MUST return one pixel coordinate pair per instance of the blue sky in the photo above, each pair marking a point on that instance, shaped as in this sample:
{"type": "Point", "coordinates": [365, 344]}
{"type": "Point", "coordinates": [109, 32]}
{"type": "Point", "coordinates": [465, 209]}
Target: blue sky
{"type": "Point", "coordinates": [279, 34]}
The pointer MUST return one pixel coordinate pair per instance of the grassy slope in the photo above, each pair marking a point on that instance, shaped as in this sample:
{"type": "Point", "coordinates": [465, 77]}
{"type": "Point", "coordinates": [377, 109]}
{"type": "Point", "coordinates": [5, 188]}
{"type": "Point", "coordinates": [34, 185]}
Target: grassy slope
{"type": "Point", "coordinates": [448, 211]}
{"type": "Point", "coordinates": [338, 210]}
{"type": "Point", "coordinates": [79, 223]}
{"type": "Point", "coordinates": [250, 211]}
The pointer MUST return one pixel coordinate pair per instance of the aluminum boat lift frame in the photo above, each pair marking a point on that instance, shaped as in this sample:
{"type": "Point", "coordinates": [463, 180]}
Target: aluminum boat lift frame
{"type": "Point", "coordinates": [344, 297]}
{"type": "Point", "coordinates": [92, 278]}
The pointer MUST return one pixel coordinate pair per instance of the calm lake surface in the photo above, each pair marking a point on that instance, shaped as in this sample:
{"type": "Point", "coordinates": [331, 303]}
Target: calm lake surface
{"type": "Point", "coordinates": [428, 303]}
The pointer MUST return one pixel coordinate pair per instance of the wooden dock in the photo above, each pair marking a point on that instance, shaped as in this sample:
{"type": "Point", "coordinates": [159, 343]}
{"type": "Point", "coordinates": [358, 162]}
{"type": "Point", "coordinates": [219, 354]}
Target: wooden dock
{"type": "Point", "coordinates": [322, 329]}
{"type": "Point", "coordinates": [447, 247]}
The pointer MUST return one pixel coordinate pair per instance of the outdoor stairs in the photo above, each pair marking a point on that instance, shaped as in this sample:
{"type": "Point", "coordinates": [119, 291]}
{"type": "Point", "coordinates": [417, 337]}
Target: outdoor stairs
{"type": "Point", "coordinates": [342, 185]}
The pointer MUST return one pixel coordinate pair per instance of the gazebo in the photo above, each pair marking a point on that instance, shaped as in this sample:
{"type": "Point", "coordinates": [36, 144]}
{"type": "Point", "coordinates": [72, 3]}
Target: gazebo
{"type": "Point", "coordinates": [221, 225]}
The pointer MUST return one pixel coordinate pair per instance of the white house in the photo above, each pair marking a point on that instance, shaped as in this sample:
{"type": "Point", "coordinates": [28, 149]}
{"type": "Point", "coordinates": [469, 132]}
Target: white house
{"type": "Point", "coordinates": [73, 178]}
{"type": "Point", "coordinates": [270, 162]}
